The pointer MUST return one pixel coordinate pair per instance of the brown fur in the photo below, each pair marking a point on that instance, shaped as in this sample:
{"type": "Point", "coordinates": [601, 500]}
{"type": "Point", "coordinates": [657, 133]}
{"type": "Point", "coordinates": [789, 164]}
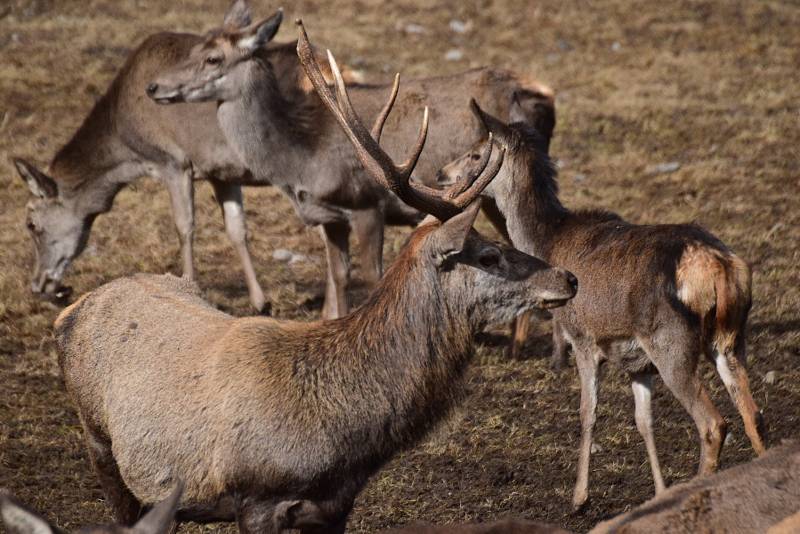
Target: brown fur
{"type": "Point", "coordinates": [254, 412]}
{"type": "Point", "coordinates": [505, 526]}
{"type": "Point", "coordinates": [652, 297]}
{"type": "Point", "coordinates": [752, 497]}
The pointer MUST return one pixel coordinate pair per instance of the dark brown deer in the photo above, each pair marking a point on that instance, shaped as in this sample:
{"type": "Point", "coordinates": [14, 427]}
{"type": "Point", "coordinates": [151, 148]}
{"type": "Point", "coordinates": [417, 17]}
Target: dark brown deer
{"type": "Point", "coordinates": [653, 297]}
{"type": "Point", "coordinates": [19, 519]}
{"type": "Point", "coordinates": [127, 136]}
{"type": "Point", "coordinates": [299, 148]}
{"type": "Point", "coordinates": [262, 417]}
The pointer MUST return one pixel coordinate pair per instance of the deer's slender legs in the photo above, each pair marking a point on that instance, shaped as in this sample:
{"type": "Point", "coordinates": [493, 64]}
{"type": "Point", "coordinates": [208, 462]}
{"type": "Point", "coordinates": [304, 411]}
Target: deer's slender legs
{"type": "Point", "coordinates": [587, 359]}
{"type": "Point", "coordinates": [675, 353]}
{"type": "Point", "coordinates": [229, 197]}
{"type": "Point", "coordinates": [642, 385]}
{"type": "Point", "coordinates": [560, 356]}
{"type": "Point", "coordinates": [520, 329]}
{"type": "Point", "coordinates": [181, 195]}
{"type": "Point", "coordinates": [336, 236]}
{"type": "Point", "coordinates": [368, 227]}
{"type": "Point", "coordinates": [126, 507]}
{"type": "Point", "coordinates": [732, 370]}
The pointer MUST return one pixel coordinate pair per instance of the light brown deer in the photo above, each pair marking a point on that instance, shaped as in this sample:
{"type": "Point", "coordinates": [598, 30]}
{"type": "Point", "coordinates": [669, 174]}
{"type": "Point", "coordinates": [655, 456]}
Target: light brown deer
{"type": "Point", "coordinates": [19, 519]}
{"type": "Point", "coordinates": [261, 417]}
{"type": "Point", "coordinates": [300, 149]}
{"type": "Point", "coordinates": [653, 297]}
{"type": "Point", "coordinates": [127, 136]}
{"type": "Point", "coordinates": [760, 496]}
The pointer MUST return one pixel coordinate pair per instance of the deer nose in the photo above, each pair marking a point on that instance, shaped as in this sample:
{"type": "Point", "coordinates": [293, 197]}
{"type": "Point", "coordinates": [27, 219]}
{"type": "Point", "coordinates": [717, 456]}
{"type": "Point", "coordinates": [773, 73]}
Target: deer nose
{"type": "Point", "coordinates": [152, 88]}
{"type": "Point", "coordinates": [573, 281]}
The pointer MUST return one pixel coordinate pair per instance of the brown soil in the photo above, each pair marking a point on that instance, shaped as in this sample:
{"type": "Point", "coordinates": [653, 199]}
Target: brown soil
{"type": "Point", "coordinates": [711, 85]}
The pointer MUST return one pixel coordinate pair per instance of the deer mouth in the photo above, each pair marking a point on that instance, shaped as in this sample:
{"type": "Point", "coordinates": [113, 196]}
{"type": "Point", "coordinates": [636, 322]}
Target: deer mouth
{"type": "Point", "coordinates": [172, 98]}
{"type": "Point", "coordinates": [548, 304]}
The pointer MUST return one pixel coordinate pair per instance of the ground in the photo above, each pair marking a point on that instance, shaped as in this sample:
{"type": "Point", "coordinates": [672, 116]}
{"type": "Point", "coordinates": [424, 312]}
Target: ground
{"type": "Point", "coordinates": [712, 86]}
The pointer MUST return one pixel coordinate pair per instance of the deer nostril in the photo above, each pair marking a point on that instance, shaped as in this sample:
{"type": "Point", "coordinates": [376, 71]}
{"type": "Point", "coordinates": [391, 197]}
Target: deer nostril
{"type": "Point", "coordinates": [572, 281]}
{"type": "Point", "coordinates": [152, 88]}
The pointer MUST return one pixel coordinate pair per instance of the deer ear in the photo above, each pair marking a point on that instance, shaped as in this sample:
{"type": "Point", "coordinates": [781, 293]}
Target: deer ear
{"type": "Point", "coordinates": [298, 514]}
{"type": "Point", "coordinates": [159, 519]}
{"type": "Point", "coordinates": [238, 15]}
{"type": "Point", "coordinates": [20, 520]}
{"type": "Point", "coordinates": [451, 236]}
{"type": "Point", "coordinates": [38, 182]}
{"type": "Point", "coordinates": [261, 33]}
{"type": "Point", "coordinates": [535, 108]}
{"type": "Point", "coordinates": [500, 130]}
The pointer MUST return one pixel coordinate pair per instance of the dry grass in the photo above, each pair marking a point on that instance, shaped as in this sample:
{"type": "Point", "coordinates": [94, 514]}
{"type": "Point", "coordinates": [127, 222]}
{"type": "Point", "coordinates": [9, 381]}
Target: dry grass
{"type": "Point", "coordinates": [712, 85]}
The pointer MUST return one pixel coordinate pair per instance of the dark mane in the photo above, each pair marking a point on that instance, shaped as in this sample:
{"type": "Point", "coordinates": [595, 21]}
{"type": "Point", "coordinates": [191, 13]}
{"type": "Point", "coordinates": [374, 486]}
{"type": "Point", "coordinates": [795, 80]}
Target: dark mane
{"type": "Point", "coordinates": [542, 170]}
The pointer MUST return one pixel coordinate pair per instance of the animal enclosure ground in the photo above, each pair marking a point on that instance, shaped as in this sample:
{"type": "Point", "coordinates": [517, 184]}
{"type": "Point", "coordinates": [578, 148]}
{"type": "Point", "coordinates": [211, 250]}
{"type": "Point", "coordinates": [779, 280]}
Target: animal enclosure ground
{"type": "Point", "coordinates": [712, 86]}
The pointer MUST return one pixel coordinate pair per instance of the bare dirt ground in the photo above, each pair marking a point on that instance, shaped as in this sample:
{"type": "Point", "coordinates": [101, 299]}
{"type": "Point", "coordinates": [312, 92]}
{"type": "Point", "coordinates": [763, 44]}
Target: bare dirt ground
{"type": "Point", "coordinates": [713, 86]}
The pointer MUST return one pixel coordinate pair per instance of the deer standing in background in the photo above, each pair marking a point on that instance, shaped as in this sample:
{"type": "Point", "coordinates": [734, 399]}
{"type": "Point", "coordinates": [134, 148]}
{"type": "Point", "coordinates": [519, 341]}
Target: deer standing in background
{"type": "Point", "coordinates": [18, 519]}
{"type": "Point", "coordinates": [653, 297]}
{"type": "Point", "coordinates": [262, 417]}
{"type": "Point", "coordinates": [298, 147]}
{"type": "Point", "coordinates": [127, 136]}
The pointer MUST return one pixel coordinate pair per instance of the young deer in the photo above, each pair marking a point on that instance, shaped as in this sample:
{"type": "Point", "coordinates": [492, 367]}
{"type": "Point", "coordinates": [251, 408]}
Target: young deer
{"type": "Point", "coordinates": [653, 297]}
{"type": "Point", "coordinates": [300, 149]}
{"type": "Point", "coordinates": [18, 519]}
{"type": "Point", "coordinates": [261, 417]}
{"type": "Point", "coordinates": [126, 136]}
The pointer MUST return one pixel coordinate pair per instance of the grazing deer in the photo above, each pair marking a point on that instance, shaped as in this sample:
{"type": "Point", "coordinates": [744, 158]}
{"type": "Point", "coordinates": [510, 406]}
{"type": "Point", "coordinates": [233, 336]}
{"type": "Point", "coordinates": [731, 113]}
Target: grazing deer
{"type": "Point", "coordinates": [298, 147]}
{"type": "Point", "coordinates": [759, 496]}
{"type": "Point", "coordinates": [653, 297]}
{"type": "Point", "coordinates": [261, 417]}
{"type": "Point", "coordinates": [18, 519]}
{"type": "Point", "coordinates": [127, 136]}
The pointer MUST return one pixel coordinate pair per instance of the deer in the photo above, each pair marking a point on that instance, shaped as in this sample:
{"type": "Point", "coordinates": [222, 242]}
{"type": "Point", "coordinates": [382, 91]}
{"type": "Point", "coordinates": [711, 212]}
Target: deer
{"type": "Point", "coordinates": [259, 416]}
{"type": "Point", "coordinates": [762, 495]}
{"type": "Point", "coordinates": [126, 136]}
{"type": "Point", "coordinates": [20, 519]}
{"type": "Point", "coordinates": [297, 147]}
{"type": "Point", "coordinates": [652, 298]}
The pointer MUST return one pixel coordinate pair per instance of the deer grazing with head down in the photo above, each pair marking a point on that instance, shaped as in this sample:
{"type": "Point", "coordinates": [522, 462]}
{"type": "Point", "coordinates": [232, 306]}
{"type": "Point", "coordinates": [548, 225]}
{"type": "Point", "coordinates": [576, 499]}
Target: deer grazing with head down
{"type": "Point", "coordinates": [261, 417]}
{"type": "Point", "coordinates": [299, 148]}
{"type": "Point", "coordinates": [127, 136]}
{"type": "Point", "coordinates": [653, 297]}
{"type": "Point", "coordinates": [18, 519]}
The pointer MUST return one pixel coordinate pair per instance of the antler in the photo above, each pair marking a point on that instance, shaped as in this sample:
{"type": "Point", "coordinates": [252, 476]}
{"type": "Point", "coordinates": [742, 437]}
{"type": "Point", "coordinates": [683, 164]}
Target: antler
{"type": "Point", "coordinates": [441, 204]}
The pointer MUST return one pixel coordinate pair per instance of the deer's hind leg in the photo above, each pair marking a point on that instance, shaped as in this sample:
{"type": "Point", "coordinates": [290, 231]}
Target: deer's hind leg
{"type": "Point", "coordinates": [181, 194]}
{"type": "Point", "coordinates": [126, 507]}
{"type": "Point", "coordinates": [642, 386]}
{"type": "Point", "coordinates": [368, 227]}
{"type": "Point", "coordinates": [337, 251]}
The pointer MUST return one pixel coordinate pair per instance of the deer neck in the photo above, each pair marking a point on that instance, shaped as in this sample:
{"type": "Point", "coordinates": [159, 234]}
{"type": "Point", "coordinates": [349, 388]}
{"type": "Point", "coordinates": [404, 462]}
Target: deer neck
{"type": "Point", "coordinates": [528, 199]}
{"type": "Point", "coordinates": [265, 129]}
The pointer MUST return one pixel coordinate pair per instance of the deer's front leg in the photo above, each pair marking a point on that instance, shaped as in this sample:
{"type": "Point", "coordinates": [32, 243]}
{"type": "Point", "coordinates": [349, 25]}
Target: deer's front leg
{"type": "Point", "coordinates": [229, 197]}
{"type": "Point", "coordinates": [337, 251]}
{"type": "Point", "coordinates": [181, 194]}
{"type": "Point", "coordinates": [368, 226]}
{"type": "Point", "coordinates": [587, 361]}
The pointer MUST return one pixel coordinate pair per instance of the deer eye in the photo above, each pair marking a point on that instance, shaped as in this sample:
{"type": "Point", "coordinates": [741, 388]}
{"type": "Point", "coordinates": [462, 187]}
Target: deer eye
{"type": "Point", "coordinates": [489, 259]}
{"type": "Point", "coordinates": [475, 157]}
{"type": "Point", "coordinates": [213, 60]}
{"type": "Point", "coordinates": [31, 226]}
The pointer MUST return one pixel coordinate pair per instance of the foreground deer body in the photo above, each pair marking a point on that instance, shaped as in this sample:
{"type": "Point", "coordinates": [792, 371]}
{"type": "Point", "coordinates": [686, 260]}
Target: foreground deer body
{"type": "Point", "coordinates": [760, 496]}
{"type": "Point", "coordinates": [301, 150]}
{"type": "Point", "coordinates": [654, 298]}
{"type": "Point", "coordinates": [254, 413]}
{"type": "Point", "coordinates": [127, 136]}
{"type": "Point", "coordinates": [20, 520]}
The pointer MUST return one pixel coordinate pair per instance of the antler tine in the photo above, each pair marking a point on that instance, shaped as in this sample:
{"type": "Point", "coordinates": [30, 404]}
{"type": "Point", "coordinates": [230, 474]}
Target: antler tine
{"type": "Point", "coordinates": [467, 197]}
{"type": "Point", "coordinates": [377, 128]}
{"type": "Point", "coordinates": [464, 182]}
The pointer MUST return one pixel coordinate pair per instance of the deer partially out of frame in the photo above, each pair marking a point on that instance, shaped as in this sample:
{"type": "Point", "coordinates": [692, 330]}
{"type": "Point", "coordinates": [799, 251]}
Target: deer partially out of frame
{"type": "Point", "coordinates": [760, 496]}
{"type": "Point", "coordinates": [18, 519]}
{"type": "Point", "coordinates": [127, 136]}
{"type": "Point", "coordinates": [653, 297]}
{"type": "Point", "coordinates": [299, 148]}
{"type": "Point", "coordinates": [255, 414]}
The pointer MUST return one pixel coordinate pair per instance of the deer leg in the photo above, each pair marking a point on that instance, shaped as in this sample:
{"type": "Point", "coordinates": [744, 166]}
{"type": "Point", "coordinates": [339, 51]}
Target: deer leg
{"type": "Point", "coordinates": [642, 385]}
{"type": "Point", "coordinates": [519, 334]}
{"type": "Point", "coordinates": [560, 356]}
{"type": "Point", "coordinates": [126, 507]}
{"type": "Point", "coordinates": [587, 362]}
{"type": "Point", "coordinates": [229, 197]}
{"type": "Point", "coordinates": [676, 361]}
{"type": "Point", "coordinates": [336, 236]}
{"type": "Point", "coordinates": [181, 195]}
{"type": "Point", "coordinates": [732, 370]}
{"type": "Point", "coordinates": [368, 226]}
